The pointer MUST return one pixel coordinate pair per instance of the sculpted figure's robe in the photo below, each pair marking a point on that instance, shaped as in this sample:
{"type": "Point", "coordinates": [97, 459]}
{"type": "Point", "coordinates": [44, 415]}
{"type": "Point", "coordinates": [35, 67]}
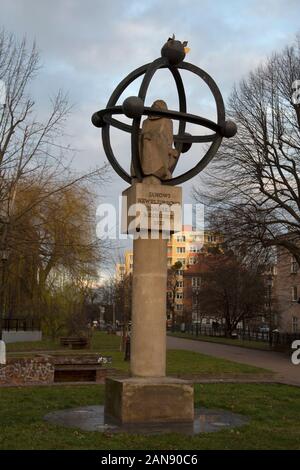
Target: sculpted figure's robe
{"type": "Point", "coordinates": [156, 145]}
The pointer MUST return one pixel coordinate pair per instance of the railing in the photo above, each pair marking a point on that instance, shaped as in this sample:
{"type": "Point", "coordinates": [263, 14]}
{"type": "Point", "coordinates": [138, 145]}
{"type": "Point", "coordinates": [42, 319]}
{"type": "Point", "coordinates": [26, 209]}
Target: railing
{"type": "Point", "coordinates": [20, 324]}
{"type": "Point", "coordinates": [284, 339]}
{"type": "Point", "coordinates": [274, 338]}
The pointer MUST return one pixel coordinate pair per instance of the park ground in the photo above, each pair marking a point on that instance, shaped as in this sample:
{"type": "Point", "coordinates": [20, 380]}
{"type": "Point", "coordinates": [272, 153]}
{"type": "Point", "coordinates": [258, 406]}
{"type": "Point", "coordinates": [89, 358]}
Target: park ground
{"type": "Point", "coordinates": [273, 409]}
{"type": "Point", "coordinates": [262, 345]}
{"type": "Point", "coordinates": [279, 363]}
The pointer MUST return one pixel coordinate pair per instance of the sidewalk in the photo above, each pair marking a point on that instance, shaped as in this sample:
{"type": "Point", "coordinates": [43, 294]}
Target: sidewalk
{"type": "Point", "coordinates": [279, 363]}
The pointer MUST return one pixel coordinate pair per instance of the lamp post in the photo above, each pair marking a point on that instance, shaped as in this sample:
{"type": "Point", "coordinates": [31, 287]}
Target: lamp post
{"type": "Point", "coordinates": [4, 258]}
{"type": "Point", "coordinates": [196, 298]}
{"type": "Point", "coordinates": [269, 286]}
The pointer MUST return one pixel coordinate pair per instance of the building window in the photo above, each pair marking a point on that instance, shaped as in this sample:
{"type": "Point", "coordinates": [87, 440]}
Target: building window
{"type": "Point", "coordinates": [196, 281]}
{"type": "Point", "coordinates": [274, 270]}
{"type": "Point", "coordinates": [179, 295]}
{"type": "Point", "coordinates": [179, 283]}
{"type": "Point", "coordinates": [295, 325]}
{"type": "Point", "coordinates": [294, 294]}
{"type": "Point", "coordinates": [294, 265]}
{"type": "Point", "coordinates": [195, 249]}
{"type": "Point", "coordinates": [180, 249]}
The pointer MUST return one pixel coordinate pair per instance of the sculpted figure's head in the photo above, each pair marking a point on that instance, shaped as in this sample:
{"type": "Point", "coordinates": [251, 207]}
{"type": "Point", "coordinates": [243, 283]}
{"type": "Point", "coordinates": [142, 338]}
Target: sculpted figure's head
{"type": "Point", "coordinates": [158, 104]}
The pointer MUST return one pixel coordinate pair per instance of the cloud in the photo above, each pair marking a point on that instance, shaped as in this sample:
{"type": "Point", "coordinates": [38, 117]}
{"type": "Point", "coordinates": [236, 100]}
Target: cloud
{"type": "Point", "coordinates": [88, 46]}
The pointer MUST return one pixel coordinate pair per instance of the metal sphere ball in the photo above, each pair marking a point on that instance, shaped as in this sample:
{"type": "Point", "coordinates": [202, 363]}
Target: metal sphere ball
{"type": "Point", "coordinates": [173, 51]}
{"type": "Point", "coordinates": [186, 145]}
{"type": "Point", "coordinates": [229, 129]}
{"type": "Point", "coordinates": [97, 120]}
{"type": "Point", "coordinates": [133, 107]}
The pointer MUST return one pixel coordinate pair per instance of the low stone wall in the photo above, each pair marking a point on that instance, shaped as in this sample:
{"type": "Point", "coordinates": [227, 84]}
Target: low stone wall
{"type": "Point", "coordinates": [47, 369]}
{"type": "Point", "coordinates": [80, 359]}
{"type": "Point", "coordinates": [37, 370]}
{"type": "Point", "coordinates": [81, 368]}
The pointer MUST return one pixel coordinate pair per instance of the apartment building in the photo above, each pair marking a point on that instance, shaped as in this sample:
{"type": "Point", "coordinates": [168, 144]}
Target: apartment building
{"type": "Point", "coordinates": [120, 272]}
{"type": "Point", "coordinates": [128, 262]}
{"type": "Point", "coordinates": [287, 291]}
{"type": "Point", "coordinates": [183, 247]}
{"type": "Point", "coordinates": [123, 269]}
{"type": "Point", "coordinates": [192, 283]}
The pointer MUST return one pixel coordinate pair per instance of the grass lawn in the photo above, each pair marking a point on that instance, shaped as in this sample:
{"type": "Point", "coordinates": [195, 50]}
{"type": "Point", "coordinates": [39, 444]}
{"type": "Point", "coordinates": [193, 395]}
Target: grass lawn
{"type": "Point", "coordinates": [179, 362]}
{"type": "Point", "coordinates": [190, 364]}
{"type": "Point", "coordinates": [100, 340]}
{"type": "Point", "coordinates": [219, 339]}
{"type": "Point", "coordinates": [274, 412]}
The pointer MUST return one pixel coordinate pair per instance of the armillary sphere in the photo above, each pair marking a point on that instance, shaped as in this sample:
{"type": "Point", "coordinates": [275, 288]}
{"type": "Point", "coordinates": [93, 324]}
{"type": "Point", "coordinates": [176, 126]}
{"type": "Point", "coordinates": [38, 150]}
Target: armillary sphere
{"type": "Point", "coordinates": [172, 57]}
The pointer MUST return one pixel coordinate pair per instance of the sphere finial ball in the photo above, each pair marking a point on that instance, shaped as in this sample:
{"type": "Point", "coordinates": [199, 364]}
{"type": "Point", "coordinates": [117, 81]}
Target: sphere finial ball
{"type": "Point", "coordinates": [133, 107]}
{"type": "Point", "coordinates": [229, 129]}
{"type": "Point", "coordinates": [97, 120]}
{"type": "Point", "coordinates": [173, 50]}
{"type": "Point", "coordinates": [186, 145]}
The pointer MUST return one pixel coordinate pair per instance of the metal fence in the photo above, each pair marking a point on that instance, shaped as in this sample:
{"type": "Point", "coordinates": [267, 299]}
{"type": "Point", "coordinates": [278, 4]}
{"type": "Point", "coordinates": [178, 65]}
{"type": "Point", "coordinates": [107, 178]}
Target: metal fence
{"type": "Point", "coordinates": [274, 338]}
{"type": "Point", "coordinates": [284, 340]}
{"type": "Point", "coordinates": [20, 324]}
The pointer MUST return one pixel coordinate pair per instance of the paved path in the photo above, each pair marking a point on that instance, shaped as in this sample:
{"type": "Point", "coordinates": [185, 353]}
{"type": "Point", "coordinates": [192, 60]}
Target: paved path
{"type": "Point", "coordinates": [277, 362]}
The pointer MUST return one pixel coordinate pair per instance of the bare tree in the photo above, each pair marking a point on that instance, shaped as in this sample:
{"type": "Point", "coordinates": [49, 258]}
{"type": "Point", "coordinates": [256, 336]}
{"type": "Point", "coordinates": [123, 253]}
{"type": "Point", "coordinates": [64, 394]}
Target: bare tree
{"type": "Point", "coordinates": [57, 246]}
{"type": "Point", "coordinates": [254, 182]}
{"type": "Point", "coordinates": [36, 176]}
{"type": "Point", "coordinates": [230, 292]}
{"type": "Point", "coordinates": [172, 289]}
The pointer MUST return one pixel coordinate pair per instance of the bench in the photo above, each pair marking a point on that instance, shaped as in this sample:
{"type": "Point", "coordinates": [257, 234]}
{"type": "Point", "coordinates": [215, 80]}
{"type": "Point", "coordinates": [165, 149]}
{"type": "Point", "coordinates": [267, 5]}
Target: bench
{"type": "Point", "coordinates": [74, 342]}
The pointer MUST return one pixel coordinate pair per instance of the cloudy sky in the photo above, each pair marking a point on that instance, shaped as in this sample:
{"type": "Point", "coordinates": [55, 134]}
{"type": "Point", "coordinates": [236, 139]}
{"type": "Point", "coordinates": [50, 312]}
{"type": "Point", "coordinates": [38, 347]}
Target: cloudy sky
{"type": "Point", "coordinates": [88, 46]}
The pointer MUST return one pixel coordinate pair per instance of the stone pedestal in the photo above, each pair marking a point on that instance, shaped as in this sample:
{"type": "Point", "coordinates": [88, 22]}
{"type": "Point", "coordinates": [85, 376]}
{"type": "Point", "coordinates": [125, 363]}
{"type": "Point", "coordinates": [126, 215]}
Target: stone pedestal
{"type": "Point", "coordinates": [149, 396]}
{"type": "Point", "coordinates": [148, 330]}
{"type": "Point", "coordinates": [159, 208]}
{"type": "Point", "coordinates": [151, 206]}
{"type": "Point", "coordinates": [149, 400]}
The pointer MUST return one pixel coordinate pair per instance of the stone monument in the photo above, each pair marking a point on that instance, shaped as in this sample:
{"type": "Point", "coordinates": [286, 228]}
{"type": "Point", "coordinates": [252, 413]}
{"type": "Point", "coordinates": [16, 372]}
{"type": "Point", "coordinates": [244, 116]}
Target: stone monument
{"type": "Point", "coordinates": [2, 352]}
{"type": "Point", "coordinates": [149, 396]}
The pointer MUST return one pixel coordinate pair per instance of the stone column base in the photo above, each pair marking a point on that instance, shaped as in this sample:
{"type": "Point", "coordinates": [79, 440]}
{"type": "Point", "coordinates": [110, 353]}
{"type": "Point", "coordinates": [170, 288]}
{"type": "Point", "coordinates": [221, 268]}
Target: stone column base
{"type": "Point", "coordinates": [149, 400]}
